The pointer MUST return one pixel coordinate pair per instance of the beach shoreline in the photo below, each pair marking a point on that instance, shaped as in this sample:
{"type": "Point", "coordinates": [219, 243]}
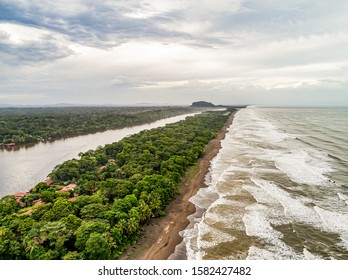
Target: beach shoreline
{"type": "Point", "coordinates": [161, 236]}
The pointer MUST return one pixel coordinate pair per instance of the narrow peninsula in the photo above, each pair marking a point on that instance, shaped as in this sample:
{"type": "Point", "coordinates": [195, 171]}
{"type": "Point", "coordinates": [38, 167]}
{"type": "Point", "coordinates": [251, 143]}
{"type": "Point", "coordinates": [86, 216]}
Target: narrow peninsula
{"type": "Point", "coordinates": [98, 206]}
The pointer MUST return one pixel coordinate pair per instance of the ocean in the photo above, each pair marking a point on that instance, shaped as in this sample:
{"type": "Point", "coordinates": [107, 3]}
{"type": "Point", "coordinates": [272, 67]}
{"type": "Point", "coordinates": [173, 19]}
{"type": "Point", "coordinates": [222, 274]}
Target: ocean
{"type": "Point", "coordinates": [277, 190]}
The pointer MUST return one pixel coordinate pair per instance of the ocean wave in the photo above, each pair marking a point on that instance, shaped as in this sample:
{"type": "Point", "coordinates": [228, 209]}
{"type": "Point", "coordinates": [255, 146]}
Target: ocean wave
{"type": "Point", "coordinates": [271, 173]}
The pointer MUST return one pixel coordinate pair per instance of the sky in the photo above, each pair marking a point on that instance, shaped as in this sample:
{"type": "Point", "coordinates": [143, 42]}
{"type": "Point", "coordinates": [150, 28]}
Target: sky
{"type": "Point", "coordinates": [125, 52]}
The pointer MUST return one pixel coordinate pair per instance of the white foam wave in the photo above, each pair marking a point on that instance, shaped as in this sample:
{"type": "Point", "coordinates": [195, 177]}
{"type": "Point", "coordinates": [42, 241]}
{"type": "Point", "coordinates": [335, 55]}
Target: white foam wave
{"type": "Point", "coordinates": [204, 197]}
{"type": "Point", "coordinates": [264, 140]}
{"type": "Point", "coordinates": [309, 256]}
{"type": "Point", "coordinates": [343, 197]}
{"type": "Point", "coordinates": [256, 253]}
{"type": "Point", "coordinates": [257, 223]}
{"type": "Point", "coordinates": [210, 236]}
{"type": "Point", "coordinates": [293, 207]}
{"type": "Point", "coordinates": [190, 240]}
{"type": "Point", "coordinates": [335, 222]}
{"type": "Point", "coordinates": [302, 167]}
{"type": "Point", "coordinates": [259, 194]}
{"type": "Point", "coordinates": [256, 148]}
{"type": "Point", "coordinates": [258, 220]}
{"type": "Point", "coordinates": [228, 213]}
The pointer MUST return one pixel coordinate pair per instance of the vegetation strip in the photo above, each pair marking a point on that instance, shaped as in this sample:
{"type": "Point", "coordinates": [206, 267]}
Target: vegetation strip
{"type": "Point", "coordinates": [32, 125]}
{"type": "Point", "coordinates": [161, 235]}
{"type": "Point", "coordinates": [96, 207]}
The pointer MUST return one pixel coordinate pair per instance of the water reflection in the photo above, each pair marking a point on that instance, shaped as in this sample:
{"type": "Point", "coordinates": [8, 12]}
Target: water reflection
{"type": "Point", "coordinates": [23, 167]}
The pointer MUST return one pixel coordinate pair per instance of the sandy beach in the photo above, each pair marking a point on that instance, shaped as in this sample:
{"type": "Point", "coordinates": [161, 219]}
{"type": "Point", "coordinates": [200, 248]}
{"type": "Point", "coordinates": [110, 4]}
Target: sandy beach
{"type": "Point", "coordinates": [161, 235]}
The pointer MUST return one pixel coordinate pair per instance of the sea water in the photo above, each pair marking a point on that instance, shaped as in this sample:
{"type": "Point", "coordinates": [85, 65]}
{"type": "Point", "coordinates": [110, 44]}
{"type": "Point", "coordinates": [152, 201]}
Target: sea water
{"type": "Point", "coordinates": [278, 188]}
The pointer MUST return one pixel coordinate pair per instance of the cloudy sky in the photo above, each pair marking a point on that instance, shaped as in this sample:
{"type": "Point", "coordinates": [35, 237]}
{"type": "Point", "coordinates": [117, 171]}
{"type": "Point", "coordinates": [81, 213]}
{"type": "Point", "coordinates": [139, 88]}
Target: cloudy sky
{"type": "Point", "coordinates": [270, 52]}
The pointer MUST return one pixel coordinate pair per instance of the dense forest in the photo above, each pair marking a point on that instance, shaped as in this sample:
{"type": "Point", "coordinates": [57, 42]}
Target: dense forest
{"type": "Point", "coordinates": [95, 207]}
{"type": "Point", "coordinates": [31, 125]}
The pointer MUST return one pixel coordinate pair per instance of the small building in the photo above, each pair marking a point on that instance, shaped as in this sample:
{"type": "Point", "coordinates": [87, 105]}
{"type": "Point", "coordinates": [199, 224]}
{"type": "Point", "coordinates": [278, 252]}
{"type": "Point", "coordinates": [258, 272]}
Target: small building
{"type": "Point", "coordinates": [68, 188]}
{"type": "Point", "coordinates": [48, 181]}
{"type": "Point", "coordinates": [38, 202]}
{"type": "Point", "coordinates": [18, 196]}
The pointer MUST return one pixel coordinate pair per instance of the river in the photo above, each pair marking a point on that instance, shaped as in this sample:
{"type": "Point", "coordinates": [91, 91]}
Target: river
{"type": "Point", "coordinates": [24, 167]}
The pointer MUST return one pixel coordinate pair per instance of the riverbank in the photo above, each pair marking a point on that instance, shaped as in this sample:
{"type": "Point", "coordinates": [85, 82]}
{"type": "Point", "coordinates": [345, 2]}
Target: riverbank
{"type": "Point", "coordinates": [35, 125]}
{"type": "Point", "coordinates": [23, 168]}
{"type": "Point", "coordinates": [161, 235]}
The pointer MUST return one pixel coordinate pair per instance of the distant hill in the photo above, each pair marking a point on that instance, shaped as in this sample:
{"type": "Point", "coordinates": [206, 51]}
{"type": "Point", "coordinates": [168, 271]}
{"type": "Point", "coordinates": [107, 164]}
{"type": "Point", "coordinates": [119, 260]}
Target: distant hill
{"type": "Point", "coordinates": [202, 104]}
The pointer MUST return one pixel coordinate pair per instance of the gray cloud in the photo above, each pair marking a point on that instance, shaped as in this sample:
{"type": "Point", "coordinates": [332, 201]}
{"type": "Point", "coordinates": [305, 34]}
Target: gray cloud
{"type": "Point", "coordinates": [96, 23]}
{"type": "Point", "coordinates": [31, 52]}
{"type": "Point", "coordinates": [186, 49]}
{"type": "Point", "coordinates": [107, 24]}
{"type": "Point", "coordinates": [283, 20]}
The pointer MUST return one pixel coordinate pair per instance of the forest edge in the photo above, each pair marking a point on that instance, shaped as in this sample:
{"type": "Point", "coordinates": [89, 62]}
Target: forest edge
{"type": "Point", "coordinates": [161, 236]}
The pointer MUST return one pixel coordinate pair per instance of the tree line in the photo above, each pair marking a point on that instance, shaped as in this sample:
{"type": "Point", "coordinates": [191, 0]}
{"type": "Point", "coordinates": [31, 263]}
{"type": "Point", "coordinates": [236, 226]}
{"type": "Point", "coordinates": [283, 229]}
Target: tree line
{"type": "Point", "coordinates": [31, 125]}
{"type": "Point", "coordinates": [96, 206]}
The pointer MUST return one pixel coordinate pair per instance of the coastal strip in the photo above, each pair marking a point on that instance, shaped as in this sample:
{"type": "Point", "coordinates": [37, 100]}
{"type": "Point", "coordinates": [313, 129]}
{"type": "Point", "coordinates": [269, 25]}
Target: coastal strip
{"type": "Point", "coordinates": [100, 203]}
{"type": "Point", "coordinates": [160, 237]}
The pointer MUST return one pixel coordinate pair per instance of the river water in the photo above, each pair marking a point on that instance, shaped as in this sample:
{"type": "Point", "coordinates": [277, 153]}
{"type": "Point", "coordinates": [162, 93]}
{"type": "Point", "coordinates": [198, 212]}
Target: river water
{"type": "Point", "coordinates": [22, 168]}
{"type": "Point", "coordinates": [278, 189]}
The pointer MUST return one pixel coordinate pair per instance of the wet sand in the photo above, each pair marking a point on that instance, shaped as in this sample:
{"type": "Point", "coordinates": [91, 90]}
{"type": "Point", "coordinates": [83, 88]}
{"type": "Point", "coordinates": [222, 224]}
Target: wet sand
{"type": "Point", "coordinates": [161, 235]}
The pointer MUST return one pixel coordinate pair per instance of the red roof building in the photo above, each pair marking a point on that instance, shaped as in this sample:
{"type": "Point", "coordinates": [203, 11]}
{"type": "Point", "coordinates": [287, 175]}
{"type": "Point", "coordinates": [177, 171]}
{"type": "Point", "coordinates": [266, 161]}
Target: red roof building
{"type": "Point", "coordinates": [68, 187]}
{"type": "Point", "coordinates": [38, 202]}
{"type": "Point", "coordinates": [48, 181]}
{"type": "Point", "coordinates": [20, 194]}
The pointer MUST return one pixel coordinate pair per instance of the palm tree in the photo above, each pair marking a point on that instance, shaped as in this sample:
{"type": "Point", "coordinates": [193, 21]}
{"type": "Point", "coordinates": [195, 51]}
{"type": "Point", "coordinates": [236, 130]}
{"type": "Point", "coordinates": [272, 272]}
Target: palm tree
{"type": "Point", "coordinates": [144, 211]}
{"type": "Point", "coordinates": [30, 245]}
{"type": "Point", "coordinates": [133, 226]}
{"type": "Point", "coordinates": [155, 203]}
